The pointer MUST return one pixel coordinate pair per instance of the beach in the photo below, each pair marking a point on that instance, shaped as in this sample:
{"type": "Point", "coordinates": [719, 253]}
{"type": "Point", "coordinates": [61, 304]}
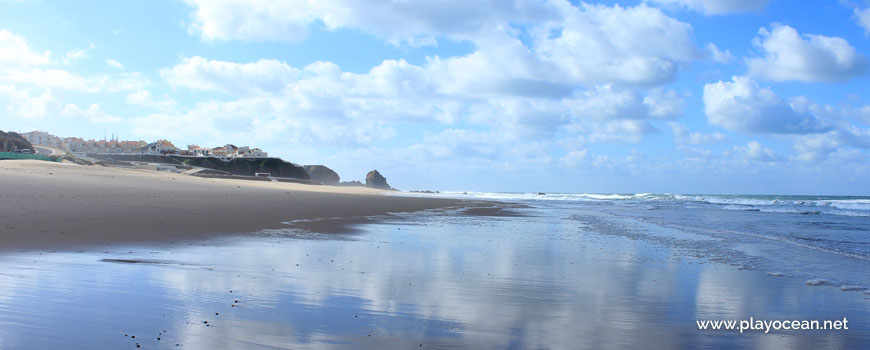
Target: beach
{"type": "Point", "coordinates": [46, 205]}
{"type": "Point", "coordinates": [112, 258]}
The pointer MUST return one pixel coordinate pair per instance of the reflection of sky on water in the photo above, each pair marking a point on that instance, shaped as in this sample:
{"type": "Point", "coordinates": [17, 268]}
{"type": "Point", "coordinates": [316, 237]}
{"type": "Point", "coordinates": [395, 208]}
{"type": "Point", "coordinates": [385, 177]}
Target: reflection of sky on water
{"type": "Point", "coordinates": [441, 281]}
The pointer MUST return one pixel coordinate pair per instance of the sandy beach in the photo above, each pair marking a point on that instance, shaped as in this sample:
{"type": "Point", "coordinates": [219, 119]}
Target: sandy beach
{"type": "Point", "coordinates": [46, 205]}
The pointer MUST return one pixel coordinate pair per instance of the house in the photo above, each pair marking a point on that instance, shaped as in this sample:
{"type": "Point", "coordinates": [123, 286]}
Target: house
{"type": "Point", "coordinates": [195, 150]}
{"type": "Point", "coordinates": [225, 151]}
{"type": "Point", "coordinates": [254, 153]}
{"type": "Point", "coordinates": [159, 147]}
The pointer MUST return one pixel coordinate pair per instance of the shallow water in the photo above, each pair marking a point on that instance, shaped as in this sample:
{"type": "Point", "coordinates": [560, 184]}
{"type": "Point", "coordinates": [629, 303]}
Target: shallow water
{"type": "Point", "coordinates": [561, 276]}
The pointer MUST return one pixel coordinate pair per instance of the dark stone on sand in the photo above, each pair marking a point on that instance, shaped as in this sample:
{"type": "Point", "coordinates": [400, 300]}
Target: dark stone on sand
{"type": "Point", "coordinates": [351, 183]}
{"type": "Point", "coordinates": [374, 179]}
{"type": "Point", "coordinates": [323, 174]}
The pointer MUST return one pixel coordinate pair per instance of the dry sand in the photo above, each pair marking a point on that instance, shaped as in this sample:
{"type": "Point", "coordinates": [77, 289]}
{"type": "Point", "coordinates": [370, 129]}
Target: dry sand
{"type": "Point", "coordinates": [46, 205]}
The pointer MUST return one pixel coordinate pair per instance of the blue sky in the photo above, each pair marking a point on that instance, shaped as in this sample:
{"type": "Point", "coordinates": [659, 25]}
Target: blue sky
{"type": "Point", "coordinates": [681, 96]}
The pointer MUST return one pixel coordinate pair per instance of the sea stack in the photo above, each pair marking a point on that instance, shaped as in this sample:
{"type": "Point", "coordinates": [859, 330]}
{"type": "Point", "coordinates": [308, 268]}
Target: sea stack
{"type": "Point", "coordinates": [374, 179]}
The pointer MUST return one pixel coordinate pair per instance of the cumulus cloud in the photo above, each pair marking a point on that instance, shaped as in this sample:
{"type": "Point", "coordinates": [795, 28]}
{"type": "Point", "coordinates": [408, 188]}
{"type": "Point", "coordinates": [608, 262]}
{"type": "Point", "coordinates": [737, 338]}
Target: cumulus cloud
{"type": "Point", "coordinates": [22, 66]}
{"type": "Point", "coordinates": [632, 45]}
{"type": "Point", "coordinates": [23, 104]}
{"type": "Point", "coordinates": [812, 58]}
{"type": "Point", "coordinates": [567, 44]}
{"type": "Point", "coordinates": [742, 105]}
{"type": "Point", "coordinates": [14, 51]}
{"type": "Point", "coordinates": [418, 22]}
{"type": "Point", "coordinates": [716, 7]}
{"type": "Point", "coordinates": [260, 77]}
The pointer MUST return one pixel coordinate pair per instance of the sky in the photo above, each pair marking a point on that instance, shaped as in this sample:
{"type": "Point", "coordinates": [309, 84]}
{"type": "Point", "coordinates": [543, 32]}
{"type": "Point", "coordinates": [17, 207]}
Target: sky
{"type": "Point", "coordinates": [665, 96]}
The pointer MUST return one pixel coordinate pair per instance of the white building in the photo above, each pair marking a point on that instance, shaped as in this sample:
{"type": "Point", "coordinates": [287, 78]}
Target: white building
{"type": "Point", "coordinates": [159, 147]}
{"type": "Point", "coordinates": [42, 138]}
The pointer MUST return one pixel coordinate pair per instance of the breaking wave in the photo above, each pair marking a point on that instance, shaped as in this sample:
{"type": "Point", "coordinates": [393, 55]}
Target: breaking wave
{"type": "Point", "coordinates": [804, 205]}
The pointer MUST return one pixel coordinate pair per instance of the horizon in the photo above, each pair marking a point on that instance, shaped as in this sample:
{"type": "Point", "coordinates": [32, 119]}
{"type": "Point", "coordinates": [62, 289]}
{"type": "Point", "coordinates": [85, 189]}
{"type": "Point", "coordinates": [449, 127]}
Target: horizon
{"type": "Point", "coordinates": [524, 96]}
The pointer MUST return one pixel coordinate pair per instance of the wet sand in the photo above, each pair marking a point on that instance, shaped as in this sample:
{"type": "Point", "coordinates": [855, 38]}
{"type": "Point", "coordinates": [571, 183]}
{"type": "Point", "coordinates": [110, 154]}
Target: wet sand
{"type": "Point", "coordinates": [441, 279]}
{"type": "Point", "coordinates": [46, 205]}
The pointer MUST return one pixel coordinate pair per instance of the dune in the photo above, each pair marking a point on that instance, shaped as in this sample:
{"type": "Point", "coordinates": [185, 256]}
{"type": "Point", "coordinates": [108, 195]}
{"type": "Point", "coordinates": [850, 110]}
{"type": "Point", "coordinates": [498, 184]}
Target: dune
{"type": "Point", "coordinates": [45, 205]}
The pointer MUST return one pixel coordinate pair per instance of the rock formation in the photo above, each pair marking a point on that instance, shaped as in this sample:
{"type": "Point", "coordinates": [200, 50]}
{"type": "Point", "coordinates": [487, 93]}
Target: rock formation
{"type": "Point", "coordinates": [13, 141]}
{"type": "Point", "coordinates": [322, 174]}
{"type": "Point", "coordinates": [374, 179]}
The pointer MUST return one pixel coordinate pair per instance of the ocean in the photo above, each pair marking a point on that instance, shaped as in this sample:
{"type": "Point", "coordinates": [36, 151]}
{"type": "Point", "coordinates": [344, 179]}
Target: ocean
{"type": "Point", "coordinates": [554, 271]}
{"type": "Point", "coordinates": [825, 239]}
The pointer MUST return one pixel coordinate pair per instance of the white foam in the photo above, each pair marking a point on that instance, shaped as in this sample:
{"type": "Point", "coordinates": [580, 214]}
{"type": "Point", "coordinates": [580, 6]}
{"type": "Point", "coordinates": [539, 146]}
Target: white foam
{"type": "Point", "coordinates": [818, 282]}
{"type": "Point", "coordinates": [783, 204]}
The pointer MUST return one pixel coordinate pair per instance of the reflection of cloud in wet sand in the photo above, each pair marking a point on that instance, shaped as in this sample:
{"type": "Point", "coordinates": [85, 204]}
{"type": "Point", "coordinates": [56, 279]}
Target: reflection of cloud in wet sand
{"type": "Point", "coordinates": [461, 282]}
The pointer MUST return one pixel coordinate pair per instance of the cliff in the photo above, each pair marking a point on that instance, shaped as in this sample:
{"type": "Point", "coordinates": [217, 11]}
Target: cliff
{"type": "Point", "coordinates": [322, 174]}
{"type": "Point", "coordinates": [247, 166]}
{"type": "Point", "coordinates": [235, 166]}
{"type": "Point", "coordinates": [14, 141]}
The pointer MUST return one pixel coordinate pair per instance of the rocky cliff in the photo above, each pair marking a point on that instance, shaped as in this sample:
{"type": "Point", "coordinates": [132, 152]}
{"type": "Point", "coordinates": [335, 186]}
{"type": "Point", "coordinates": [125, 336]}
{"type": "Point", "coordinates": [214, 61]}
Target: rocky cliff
{"type": "Point", "coordinates": [235, 166]}
{"type": "Point", "coordinates": [247, 166]}
{"type": "Point", "coordinates": [14, 141]}
{"type": "Point", "coordinates": [322, 174]}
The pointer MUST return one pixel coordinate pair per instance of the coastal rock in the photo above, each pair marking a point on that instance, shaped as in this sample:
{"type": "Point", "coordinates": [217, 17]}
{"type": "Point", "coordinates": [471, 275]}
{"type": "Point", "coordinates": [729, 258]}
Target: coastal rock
{"type": "Point", "coordinates": [275, 167]}
{"type": "Point", "coordinates": [322, 174]}
{"type": "Point", "coordinates": [351, 183]}
{"type": "Point", "coordinates": [374, 179]}
{"type": "Point", "coordinates": [13, 141]}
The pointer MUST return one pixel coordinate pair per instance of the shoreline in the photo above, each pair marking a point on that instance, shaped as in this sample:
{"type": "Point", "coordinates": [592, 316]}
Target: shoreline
{"type": "Point", "coordinates": [58, 206]}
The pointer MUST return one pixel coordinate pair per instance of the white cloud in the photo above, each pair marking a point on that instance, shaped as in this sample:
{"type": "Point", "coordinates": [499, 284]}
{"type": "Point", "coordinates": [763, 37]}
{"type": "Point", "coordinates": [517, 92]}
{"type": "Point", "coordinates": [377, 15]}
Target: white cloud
{"type": "Point", "coordinates": [716, 7]}
{"type": "Point", "coordinates": [73, 55]}
{"type": "Point", "coordinates": [257, 78]}
{"type": "Point", "coordinates": [22, 104]}
{"type": "Point", "coordinates": [683, 136]}
{"type": "Point", "coordinates": [629, 45]}
{"type": "Point", "coordinates": [93, 114]}
{"type": "Point", "coordinates": [862, 17]}
{"type": "Point", "coordinates": [754, 151]}
{"type": "Point", "coordinates": [718, 55]}
{"type": "Point", "coordinates": [812, 58]}
{"type": "Point", "coordinates": [144, 98]}
{"type": "Point", "coordinates": [14, 51]}
{"type": "Point", "coordinates": [417, 22]}
{"type": "Point", "coordinates": [576, 157]}
{"type": "Point", "coordinates": [399, 91]}
{"type": "Point", "coordinates": [606, 103]}
{"type": "Point", "coordinates": [114, 64]}
{"type": "Point", "coordinates": [569, 44]}
{"type": "Point", "coordinates": [664, 104]}
{"type": "Point", "coordinates": [22, 67]}
{"type": "Point", "coordinates": [742, 105]}
{"type": "Point", "coordinates": [76, 54]}
{"type": "Point", "coordinates": [619, 131]}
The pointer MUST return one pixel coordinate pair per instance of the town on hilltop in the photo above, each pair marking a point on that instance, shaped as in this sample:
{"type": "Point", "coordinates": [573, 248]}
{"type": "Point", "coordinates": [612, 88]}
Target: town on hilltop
{"type": "Point", "coordinates": [228, 161]}
{"type": "Point", "coordinates": [76, 145]}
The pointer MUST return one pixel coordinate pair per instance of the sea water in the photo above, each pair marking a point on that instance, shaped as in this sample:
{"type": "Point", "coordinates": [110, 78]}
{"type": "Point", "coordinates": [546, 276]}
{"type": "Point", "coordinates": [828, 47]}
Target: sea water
{"type": "Point", "coordinates": [564, 272]}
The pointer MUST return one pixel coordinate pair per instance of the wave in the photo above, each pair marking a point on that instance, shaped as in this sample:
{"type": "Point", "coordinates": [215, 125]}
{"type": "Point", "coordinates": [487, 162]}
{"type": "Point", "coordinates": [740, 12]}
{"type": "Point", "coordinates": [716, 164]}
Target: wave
{"type": "Point", "coordinates": [805, 205]}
